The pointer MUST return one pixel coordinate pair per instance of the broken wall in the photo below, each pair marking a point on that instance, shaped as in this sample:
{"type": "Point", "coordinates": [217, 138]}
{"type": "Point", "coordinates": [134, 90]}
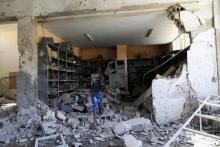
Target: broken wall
{"type": "Point", "coordinates": [169, 96]}
{"type": "Point", "coordinates": [202, 65]}
{"type": "Point", "coordinates": [198, 80]}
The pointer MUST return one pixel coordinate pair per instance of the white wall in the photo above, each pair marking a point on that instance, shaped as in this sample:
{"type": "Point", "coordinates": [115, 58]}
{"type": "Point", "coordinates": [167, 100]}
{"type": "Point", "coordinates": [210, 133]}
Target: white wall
{"type": "Point", "coordinates": [170, 95]}
{"type": "Point", "coordinates": [202, 64]}
{"type": "Point", "coordinates": [9, 56]}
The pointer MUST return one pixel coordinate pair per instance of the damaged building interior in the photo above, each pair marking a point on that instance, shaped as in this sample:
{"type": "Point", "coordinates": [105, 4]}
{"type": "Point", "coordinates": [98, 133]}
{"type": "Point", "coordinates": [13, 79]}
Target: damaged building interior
{"type": "Point", "coordinates": [105, 73]}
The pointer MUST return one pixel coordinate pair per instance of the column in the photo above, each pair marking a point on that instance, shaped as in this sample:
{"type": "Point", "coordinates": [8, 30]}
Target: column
{"type": "Point", "coordinates": [27, 84]}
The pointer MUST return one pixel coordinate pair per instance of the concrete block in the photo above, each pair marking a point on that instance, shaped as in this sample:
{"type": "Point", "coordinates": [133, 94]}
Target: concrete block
{"type": "Point", "coordinates": [73, 122]}
{"type": "Point", "coordinates": [60, 115]}
{"type": "Point", "coordinates": [121, 128]}
{"type": "Point", "coordinates": [135, 124]}
{"type": "Point", "coordinates": [131, 141]}
{"type": "Point", "coordinates": [50, 116]}
{"type": "Point", "coordinates": [138, 124]}
{"type": "Point", "coordinates": [49, 127]}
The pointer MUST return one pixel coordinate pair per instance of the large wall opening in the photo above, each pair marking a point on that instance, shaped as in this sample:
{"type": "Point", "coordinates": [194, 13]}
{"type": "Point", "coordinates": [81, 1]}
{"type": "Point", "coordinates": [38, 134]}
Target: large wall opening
{"type": "Point", "coordinates": [9, 64]}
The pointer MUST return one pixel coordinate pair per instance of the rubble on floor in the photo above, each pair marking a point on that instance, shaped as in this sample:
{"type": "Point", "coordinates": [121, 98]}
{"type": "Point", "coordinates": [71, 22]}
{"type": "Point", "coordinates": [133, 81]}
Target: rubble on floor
{"type": "Point", "coordinates": [38, 121]}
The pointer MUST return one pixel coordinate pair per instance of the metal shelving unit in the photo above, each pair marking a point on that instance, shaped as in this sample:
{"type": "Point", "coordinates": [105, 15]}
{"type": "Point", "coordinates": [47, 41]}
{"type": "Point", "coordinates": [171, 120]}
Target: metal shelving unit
{"type": "Point", "coordinates": [58, 71]}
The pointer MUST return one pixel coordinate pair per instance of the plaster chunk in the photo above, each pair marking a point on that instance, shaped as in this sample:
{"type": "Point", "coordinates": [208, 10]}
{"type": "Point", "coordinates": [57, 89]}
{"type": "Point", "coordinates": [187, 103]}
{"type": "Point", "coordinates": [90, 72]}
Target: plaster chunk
{"type": "Point", "coordinates": [131, 141]}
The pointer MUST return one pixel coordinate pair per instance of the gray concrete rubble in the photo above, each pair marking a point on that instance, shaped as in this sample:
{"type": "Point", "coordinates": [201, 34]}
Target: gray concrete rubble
{"type": "Point", "coordinates": [60, 115]}
{"type": "Point", "coordinates": [78, 127]}
{"type": "Point", "coordinates": [131, 141]}
{"type": "Point", "coordinates": [135, 124]}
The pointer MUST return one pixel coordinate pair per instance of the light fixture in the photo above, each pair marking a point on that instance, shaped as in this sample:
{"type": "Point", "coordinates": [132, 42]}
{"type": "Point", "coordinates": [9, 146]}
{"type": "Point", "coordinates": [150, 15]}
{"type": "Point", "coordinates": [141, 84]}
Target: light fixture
{"type": "Point", "coordinates": [89, 37]}
{"type": "Point", "coordinates": [149, 32]}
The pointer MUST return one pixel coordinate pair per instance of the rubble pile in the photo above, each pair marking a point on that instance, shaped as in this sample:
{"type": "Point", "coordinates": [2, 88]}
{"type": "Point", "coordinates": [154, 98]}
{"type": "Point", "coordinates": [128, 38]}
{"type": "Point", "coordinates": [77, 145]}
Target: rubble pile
{"type": "Point", "coordinates": [79, 128]}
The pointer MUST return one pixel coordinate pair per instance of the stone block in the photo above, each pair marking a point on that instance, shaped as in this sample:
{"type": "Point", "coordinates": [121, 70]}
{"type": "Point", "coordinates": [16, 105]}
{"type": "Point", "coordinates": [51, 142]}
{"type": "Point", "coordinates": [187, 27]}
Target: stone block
{"type": "Point", "coordinates": [60, 115]}
{"type": "Point", "coordinates": [131, 141]}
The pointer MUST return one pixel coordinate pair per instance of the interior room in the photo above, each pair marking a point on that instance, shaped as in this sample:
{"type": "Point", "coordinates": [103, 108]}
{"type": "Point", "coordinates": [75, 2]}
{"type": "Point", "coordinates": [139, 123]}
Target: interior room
{"type": "Point", "coordinates": [122, 56]}
{"type": "Point", "coordinates": [109, 74]}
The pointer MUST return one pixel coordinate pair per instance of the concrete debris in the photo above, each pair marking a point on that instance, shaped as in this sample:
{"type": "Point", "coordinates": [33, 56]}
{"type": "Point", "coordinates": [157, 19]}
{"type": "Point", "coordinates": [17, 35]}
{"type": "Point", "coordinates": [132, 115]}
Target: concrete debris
{"type": "Point", "coordinates": [139, 124]}
{"type": "Point", "coordinates": [77, 107]}
{"type": "Point", "coordinates": [73, 122]}
{"type": "Point", "coordinates": [60, 115]}
{"type": "Point", "coordinates": [121, 128]}
{"type": "Point", "coordinates": [153, 139]}
{"type": "Point", "coordinates": [49, 127]}
{"type": "Point", "coordinates": [50, 116]}
{"type": "Point", "coordinates": [40, 121]}
{"type": "Point", "coordinates": [56, 140]}
{"type": "Point", "coordinates": [22, 140]}
{"type": "Point", "coordinates": [77, 144]}
{"type": "Point", "coordinates": [99, 139]}
{"type": "Point", "coordinates": [131, 141]}
{"type": "Point", "coordinates": [136, 124]}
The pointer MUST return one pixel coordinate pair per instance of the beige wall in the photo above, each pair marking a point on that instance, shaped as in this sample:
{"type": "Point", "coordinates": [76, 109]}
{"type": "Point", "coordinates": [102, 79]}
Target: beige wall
{"type": "Point", "coordinates": [146, 51]}
{"type": "Point", "coordinates": [92, 53]}
{"type": "Point", "coordinates": [9, 56]}
{"type": "Point", "coordinates": [43, 32]}
{"type": "Point", "coordinates": [133, 51]}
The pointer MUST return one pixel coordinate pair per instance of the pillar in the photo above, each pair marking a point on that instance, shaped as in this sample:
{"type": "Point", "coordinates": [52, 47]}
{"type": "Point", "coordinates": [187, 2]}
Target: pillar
{"type": "Point", "coordinates": [27, 85]}
{"type": "Point", "coordinates": [122, 55]}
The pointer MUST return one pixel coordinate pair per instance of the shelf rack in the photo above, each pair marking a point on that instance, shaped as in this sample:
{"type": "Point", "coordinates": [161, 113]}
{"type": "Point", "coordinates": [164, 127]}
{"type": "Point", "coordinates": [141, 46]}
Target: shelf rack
{"type": "Point", "coordinates": [58, 70]}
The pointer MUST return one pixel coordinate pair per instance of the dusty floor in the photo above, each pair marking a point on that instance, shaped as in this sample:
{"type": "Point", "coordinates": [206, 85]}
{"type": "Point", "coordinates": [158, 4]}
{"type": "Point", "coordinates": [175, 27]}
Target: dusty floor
{"type": "Point", "coordinates": [14, 133]}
